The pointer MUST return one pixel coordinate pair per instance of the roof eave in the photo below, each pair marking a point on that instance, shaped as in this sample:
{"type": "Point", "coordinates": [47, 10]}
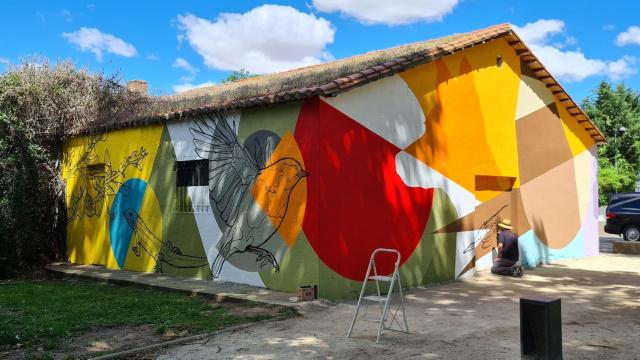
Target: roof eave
{"type": "Point", "coordinates": [542, 74]}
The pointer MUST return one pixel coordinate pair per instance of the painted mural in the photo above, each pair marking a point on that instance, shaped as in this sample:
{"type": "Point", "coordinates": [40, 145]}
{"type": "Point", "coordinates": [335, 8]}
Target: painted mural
{"type": "Point", "coordinates": [250, 186]}
{"type": "Point", "coordinates": [425, 162]}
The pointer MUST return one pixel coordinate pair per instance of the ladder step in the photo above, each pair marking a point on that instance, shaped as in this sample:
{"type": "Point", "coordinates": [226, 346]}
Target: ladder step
{"type": "Point", "coordinates": [376, 298]}
{"type": "Point", "coordinates": [381, 278]}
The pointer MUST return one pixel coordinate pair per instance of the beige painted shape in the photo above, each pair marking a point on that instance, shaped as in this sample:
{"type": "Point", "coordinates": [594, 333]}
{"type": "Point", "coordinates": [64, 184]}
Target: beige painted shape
{"type": "Point", "coordinates": [584, 167]}
{"type": "Point", "coordinates": [532, 95]}
{"type": "Point", "coordinates": [551, 204]}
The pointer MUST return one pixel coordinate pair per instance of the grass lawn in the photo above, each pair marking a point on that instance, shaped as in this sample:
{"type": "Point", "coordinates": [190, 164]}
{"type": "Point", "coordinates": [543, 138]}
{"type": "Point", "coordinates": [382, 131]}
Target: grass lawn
{"type": "Point", "coordinates": [43, 313]}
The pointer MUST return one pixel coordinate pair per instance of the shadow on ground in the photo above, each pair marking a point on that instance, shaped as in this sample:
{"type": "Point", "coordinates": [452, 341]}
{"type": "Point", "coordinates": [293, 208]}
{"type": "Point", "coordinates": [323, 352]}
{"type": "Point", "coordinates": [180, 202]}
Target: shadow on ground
{"type": "Point", "coordinates": [474, 319]}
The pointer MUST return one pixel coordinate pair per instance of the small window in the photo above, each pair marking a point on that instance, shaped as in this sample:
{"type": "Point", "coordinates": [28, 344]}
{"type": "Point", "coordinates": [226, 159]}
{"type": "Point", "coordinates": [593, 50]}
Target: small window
{"type": "Point", "coordinates": [192, 173]}
{"type": "Point", "coordinates": [95, 169]}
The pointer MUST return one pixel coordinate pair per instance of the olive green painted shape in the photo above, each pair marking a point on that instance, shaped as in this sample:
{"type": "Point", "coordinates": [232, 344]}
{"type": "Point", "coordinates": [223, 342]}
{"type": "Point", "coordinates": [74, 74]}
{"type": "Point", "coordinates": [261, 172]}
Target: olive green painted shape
{"type": "Point", "coordinates": [433, 260]}
{"type": "Point", "coordinates": [179, 228]}
{"type": "Point", "coordinates": [277, 118]}
{"type": "Point", "coordinates": [298, 264]}
{"type": "Point", "coordinates": [298, 267]}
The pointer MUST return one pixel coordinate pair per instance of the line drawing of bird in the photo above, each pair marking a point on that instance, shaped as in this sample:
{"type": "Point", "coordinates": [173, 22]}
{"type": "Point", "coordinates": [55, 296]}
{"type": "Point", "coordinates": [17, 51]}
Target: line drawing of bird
{"type": "Point", "coordinates": [163, 252]}
{"type": "Point", "coordinates": [250, 198]}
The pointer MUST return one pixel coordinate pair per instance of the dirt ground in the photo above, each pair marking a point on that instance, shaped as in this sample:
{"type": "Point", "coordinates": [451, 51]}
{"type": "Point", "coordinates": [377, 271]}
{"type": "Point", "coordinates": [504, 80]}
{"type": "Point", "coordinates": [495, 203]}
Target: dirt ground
{"type": "Point", "coordinates": [473, 319]}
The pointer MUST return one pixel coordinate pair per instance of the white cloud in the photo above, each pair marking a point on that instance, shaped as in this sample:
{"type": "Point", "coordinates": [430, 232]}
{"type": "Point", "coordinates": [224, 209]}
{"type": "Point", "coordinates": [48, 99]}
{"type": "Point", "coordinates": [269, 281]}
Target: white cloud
{"type": "Point", "coordinates": [185, 87]}
{"type": "Point", "coordinates": [265, 39]}
{"type": "Point", "coordinates": [181, 63]}
{"type": "Point", "coordinates": [608, 27]}
{"type": "Point", "coordinates": [569, 65]}
{"type": "Point", "coordinates": [397, 12]}
{"type": "Point", "coordinates": [622, 68]}
{"type": "Point", "coordinates": [153, 57]}
{"type": "Point", "coordinates": [97, 42]}
{"type": "Point", "coordinates": [629, 37]}
{"type": "Point", "coordinates": [540, 31]}
{"type": "Point", "coordinates": [5, 62]}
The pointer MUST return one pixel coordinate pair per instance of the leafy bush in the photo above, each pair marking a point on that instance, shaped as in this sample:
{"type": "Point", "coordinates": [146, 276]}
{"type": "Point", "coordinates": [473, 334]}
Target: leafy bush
{"type": "Point", "coordinates": [614, 179]}
{"type": "Point", "coordinates": [41, 104]}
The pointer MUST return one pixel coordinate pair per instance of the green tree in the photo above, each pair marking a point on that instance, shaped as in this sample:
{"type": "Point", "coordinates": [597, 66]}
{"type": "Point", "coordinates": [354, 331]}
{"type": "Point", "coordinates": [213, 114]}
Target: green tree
{"type": "Point", "coordinates": [614, 108]}
{"type": "Point", "coordinates": [238, 75]}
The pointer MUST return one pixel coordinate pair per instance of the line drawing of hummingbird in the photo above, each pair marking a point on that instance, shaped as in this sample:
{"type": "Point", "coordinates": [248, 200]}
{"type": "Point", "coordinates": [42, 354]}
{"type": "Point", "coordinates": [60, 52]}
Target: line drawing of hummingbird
{"type": "Point", "coordinates": [162, 251]}
{"type": "Point", "coordinates": [250, 198]}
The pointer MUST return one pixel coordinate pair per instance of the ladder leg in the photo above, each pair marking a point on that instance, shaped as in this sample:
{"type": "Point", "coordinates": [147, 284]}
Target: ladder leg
{"type": "Point", "coordinates": [355, 316]}
{"type": "Point", "coordinates": [404, 315]}
{"type": "Point", "coordinates": [375, 273]}
{"type": "Point", "coordinates": [386, 309]}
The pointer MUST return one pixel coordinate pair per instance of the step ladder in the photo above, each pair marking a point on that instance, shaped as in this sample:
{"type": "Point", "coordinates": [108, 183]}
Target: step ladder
{"type": "Point", "coordinates": [388, 319]}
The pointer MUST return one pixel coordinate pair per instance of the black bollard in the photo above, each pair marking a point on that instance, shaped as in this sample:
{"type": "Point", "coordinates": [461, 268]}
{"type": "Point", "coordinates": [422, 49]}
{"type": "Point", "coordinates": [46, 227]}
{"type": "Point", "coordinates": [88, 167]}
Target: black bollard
{"type": "Point", "coordinates": [540, 328]}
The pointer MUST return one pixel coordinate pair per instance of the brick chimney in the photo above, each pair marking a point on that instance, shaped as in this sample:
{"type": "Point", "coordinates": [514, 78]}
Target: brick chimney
{"type": "Point", "coordinates": [139, 86]}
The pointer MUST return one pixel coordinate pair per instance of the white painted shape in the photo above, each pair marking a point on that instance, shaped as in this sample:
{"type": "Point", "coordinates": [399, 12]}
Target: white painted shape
{"type": "Point", "coordinates": [583, 166]}
{"type": "Point", "coordinates": [533, 95]}
{"type": "Point", "coordinates": [182, 139]}
{"type": "Point", "coordinates": [485, 262]}
{"type": "Point", "coordinates": [210, 234]}
{"type": "Point", "coordinates": [415, 173]}
{"type": "Point", "coordinates": [387, 107]}
{"type": "Point", "coordinates": [463, 241]}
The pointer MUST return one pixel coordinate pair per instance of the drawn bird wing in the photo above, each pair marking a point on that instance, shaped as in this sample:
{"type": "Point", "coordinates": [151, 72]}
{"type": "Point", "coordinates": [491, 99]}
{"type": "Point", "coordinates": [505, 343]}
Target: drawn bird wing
{"type": "Point", "coordinates": [232, 169]}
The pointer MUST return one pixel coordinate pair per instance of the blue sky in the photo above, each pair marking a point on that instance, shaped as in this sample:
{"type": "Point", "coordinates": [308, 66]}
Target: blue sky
{"type": "Point", "coordinates": [175, 45]}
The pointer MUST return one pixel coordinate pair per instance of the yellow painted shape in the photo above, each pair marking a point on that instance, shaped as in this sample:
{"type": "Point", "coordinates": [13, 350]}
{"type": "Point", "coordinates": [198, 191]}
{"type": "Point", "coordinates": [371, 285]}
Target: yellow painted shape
{"type": "Point", "coordinates": [578, 138]}
{"type": "Point", "coordinates": [470, 105]}
{"type": "Point", "coordinates": [148, 229]}
{"type": "Point", "coordinates": [88, 236]}
{"type": "Point", "coordinates": [271, 190]}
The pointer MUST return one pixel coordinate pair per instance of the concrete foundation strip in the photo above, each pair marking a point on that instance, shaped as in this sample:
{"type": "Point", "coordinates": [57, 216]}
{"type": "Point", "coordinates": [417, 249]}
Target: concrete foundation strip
{"type": "Point", "coordinates": [181, 341]}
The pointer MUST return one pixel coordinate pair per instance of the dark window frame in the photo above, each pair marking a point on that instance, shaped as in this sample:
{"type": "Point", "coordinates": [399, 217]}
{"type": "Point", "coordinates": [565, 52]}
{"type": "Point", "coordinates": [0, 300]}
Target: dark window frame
{"type": "Point", "coordinates": [192, 173]}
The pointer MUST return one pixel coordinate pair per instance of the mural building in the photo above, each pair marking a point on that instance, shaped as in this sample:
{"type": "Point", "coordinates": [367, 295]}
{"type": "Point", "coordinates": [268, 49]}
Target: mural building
{"type": "Point", "coordinates": [424, 157]}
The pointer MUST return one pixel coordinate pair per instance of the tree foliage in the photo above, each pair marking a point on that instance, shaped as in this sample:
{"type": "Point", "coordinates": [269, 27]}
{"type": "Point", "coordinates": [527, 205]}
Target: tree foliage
{"type": "Point", "coordinates": [238, 75]}
{"type": "Point", "coordinates": [41, 104]}
{"type": "Point", "coordinates": [619, 160]}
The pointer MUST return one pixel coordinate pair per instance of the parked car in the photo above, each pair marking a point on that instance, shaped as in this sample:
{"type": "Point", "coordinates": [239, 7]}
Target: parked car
{"type": "Point", "coordinates": [623, 215]}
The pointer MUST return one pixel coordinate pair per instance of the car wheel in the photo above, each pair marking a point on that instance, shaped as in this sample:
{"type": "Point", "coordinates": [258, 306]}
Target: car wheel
{"type": "Point", "coordinates": [632, 233]}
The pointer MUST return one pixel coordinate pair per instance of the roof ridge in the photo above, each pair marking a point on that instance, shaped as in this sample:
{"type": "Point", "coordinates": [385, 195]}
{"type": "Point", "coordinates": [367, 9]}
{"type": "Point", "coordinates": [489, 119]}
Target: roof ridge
{"type": "Point", "coordinates": [353, 72]}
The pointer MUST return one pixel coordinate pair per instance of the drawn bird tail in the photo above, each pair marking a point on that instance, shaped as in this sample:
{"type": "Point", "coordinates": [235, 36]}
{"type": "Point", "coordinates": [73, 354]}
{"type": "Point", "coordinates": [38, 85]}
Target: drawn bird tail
{"type": "Point", "coordinates": [220, 259]}
{"type": "Point", "coordinates": [216, 268]}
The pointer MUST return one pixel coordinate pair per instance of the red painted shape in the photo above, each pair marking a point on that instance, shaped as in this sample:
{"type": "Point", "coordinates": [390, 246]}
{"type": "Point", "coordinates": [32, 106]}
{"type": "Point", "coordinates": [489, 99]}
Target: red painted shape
{"type": "Point", "coordinates": [356, 201]}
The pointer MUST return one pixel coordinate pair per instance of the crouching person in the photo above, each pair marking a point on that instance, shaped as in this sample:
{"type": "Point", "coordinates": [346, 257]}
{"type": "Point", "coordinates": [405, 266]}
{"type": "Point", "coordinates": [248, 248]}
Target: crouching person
{"type": "Point", "coordinates": [508, 254]}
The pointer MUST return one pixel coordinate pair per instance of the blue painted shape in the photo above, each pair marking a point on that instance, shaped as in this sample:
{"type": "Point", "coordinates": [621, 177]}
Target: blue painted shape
{"type": "Point", "coordinates": [129, 197]}
{"type": "Point", "coordinates": [533, 251]}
